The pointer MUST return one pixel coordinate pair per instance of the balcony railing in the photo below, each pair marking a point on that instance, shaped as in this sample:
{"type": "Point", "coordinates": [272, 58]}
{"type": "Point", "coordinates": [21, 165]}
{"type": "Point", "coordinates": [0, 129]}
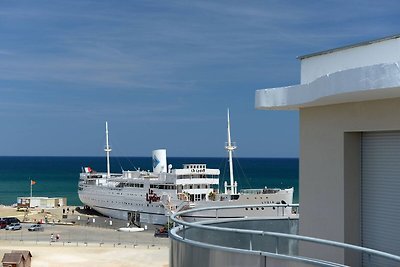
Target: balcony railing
{"type": "Point", "coordinates": [252, 242]}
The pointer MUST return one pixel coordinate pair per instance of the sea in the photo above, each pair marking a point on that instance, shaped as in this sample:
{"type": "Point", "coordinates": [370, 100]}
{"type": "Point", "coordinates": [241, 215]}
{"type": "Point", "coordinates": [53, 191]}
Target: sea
{"type": "Point", "coordinates": [58, 176]}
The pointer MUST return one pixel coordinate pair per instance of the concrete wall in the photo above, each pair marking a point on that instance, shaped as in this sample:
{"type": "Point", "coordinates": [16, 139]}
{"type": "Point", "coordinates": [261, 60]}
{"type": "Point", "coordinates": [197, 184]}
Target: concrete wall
{"type": "Point", "coordinates": [330, 170]}
{"type": "Point", "coordinates": [387, 51]}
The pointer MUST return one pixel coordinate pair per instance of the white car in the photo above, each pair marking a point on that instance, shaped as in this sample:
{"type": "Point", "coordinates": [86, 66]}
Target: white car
{"type": "Point", "coordinates": [36, 227]}
{"type": "Point", "coordinates": [14, 226]}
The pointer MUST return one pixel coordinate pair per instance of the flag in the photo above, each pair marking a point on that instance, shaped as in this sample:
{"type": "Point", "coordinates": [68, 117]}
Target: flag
{"type": "Point", "coordinates": [33, 182]}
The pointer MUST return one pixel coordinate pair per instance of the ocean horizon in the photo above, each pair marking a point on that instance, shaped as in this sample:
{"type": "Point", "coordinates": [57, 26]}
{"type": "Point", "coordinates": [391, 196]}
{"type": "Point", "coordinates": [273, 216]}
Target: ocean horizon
{"type": "Point", "coordinates": [58, 176]}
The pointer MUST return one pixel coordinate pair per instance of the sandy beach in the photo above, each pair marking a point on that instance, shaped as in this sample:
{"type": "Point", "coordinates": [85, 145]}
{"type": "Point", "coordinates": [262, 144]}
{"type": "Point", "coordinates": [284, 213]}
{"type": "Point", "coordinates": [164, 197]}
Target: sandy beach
{"type": "Point", "coordinates": [45, 255]}
{"type": "Point", "coordinates": [85, 244]}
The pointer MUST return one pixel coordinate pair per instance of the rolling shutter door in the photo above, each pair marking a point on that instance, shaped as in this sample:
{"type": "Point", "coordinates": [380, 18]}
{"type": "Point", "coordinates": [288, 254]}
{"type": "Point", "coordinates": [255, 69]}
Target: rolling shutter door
{"type": "Point", "coordinates": [380, 194]}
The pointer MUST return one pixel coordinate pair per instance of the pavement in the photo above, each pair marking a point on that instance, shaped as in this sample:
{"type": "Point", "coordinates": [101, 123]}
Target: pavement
{"type": "Point", "coordinates": [86, 238]}
{"type": "Point", "coordinates": [60, 256]}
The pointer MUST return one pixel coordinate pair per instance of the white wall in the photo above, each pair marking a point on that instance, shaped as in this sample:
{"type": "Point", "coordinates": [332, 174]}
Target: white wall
{"type": "Point", "coordinates": [387, 51]}
{"type": "Point", "coordinates": [329, 164]}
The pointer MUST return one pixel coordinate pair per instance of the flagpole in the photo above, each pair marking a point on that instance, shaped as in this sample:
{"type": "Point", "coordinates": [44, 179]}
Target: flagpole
{"type": "Point", "coordinates": [31, 187]}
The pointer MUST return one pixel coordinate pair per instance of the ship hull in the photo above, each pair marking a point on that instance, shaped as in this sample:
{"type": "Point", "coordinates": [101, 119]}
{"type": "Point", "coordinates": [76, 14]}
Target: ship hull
{"type": "Point", "coordinates": [280, 197]}
{"type": "Point", "coordinates": [122, 206]}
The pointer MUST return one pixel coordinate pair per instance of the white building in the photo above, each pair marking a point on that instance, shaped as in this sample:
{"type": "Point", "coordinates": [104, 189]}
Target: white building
{"type": "Point", "coordinates": [41, 202]}
{"type": "Point", "coordinates": [349, 108]}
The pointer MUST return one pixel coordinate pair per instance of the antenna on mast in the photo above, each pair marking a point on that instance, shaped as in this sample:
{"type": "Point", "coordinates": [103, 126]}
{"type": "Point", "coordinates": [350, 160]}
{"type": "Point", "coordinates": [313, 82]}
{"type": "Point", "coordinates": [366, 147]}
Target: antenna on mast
{"type": "Point", "coordinates": [107, 149]}
{"type": "Point", "coordinates": [230, 147]}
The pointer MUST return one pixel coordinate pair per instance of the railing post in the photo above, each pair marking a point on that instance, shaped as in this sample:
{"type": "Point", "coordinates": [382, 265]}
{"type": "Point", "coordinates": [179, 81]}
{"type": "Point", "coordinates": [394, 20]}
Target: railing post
{"type": "Point", "coordinates": [277, 245]}
{"type": "Point", "coordinates": [251, 242]}
{"type": "Point", "coordinates": [216, 213]}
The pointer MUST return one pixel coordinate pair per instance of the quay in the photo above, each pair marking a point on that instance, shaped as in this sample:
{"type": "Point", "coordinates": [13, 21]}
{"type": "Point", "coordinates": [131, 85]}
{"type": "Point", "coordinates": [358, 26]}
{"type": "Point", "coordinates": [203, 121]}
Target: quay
{"type": "Point", "coordinates": [90, 241]}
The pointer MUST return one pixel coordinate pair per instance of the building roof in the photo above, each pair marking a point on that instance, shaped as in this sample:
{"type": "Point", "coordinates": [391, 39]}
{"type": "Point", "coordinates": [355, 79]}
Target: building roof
{"type": "Point", "coordinates": [349, 46]}
{"type": "Point", "coordinates": [13, 258]}
{"type": "Point", "coordinates": [359, 72]}
{"type": "Point", "coordinates": [360, 84]}
{"type": "Point", "coordinates": [26, 253]}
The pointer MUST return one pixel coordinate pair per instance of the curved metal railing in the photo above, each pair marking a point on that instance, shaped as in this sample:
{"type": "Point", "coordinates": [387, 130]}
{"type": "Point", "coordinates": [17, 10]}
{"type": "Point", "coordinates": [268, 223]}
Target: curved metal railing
{"type": "Point", "coordinates": [178, 234]}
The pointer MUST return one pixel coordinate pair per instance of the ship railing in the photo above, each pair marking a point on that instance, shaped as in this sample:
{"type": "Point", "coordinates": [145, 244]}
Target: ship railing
{"type": "Point", "coordinates": [183, 233]}
{"type": "Point", "coordinates": [168, 205]}
{"type": "Point", "coordinates": [182, 206]}
{"type": "Point", "coordinates": [252, 191]}
{"type": "Point", "coordinates": [281, 210]}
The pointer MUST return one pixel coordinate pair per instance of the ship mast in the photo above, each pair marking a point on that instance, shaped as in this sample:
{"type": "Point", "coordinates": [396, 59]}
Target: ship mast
{"type": "Point", "coordinates": [230, 147]}
{"type": "Point", "coordinates": [107, 149]}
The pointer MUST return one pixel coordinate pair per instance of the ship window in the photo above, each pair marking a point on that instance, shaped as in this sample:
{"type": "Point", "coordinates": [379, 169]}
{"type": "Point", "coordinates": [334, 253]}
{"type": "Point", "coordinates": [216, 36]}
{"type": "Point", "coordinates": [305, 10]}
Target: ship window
{"type": "Point", "coordinates": [262, 208]}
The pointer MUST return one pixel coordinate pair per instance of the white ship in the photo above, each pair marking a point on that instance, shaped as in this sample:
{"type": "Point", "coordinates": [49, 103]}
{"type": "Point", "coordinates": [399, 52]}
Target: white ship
{"type": "Point", "coordinates": [151, 196]}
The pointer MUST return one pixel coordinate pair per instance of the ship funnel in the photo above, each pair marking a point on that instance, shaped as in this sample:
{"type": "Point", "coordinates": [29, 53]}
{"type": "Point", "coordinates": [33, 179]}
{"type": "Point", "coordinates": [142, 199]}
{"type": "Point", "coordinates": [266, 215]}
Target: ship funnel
{"type": "Point", "coordinates": [160, 161]}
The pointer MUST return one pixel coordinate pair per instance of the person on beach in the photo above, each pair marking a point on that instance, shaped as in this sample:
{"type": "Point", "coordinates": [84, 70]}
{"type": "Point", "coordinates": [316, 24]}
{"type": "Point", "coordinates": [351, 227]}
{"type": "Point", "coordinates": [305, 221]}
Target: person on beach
{"type": "Point", "coordinates": [52, 237]}
{"type": "Point", "coordinates": [58, 237]}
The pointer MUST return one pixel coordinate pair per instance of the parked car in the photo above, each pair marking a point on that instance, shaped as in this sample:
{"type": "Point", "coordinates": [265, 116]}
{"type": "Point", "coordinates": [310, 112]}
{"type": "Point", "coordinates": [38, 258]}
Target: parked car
{"type": "Point", "coordinates": [162, 232]}
{"type": "Point", "coordinates": [22, 208]}
{"type": "Point", "coordinates": [3, 224]}
{"type": "Point", "coordinates": [10, 220]}
{"type": "Point", "coordinates": [14, 226]}
{"type": "Point", "coordinates": [36, 227]}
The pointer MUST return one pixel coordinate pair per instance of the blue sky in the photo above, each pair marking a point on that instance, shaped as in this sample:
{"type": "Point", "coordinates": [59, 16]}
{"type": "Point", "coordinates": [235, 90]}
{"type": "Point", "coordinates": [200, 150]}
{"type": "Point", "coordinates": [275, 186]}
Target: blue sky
{"type": "Point", "coordinates": [163, 73]}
